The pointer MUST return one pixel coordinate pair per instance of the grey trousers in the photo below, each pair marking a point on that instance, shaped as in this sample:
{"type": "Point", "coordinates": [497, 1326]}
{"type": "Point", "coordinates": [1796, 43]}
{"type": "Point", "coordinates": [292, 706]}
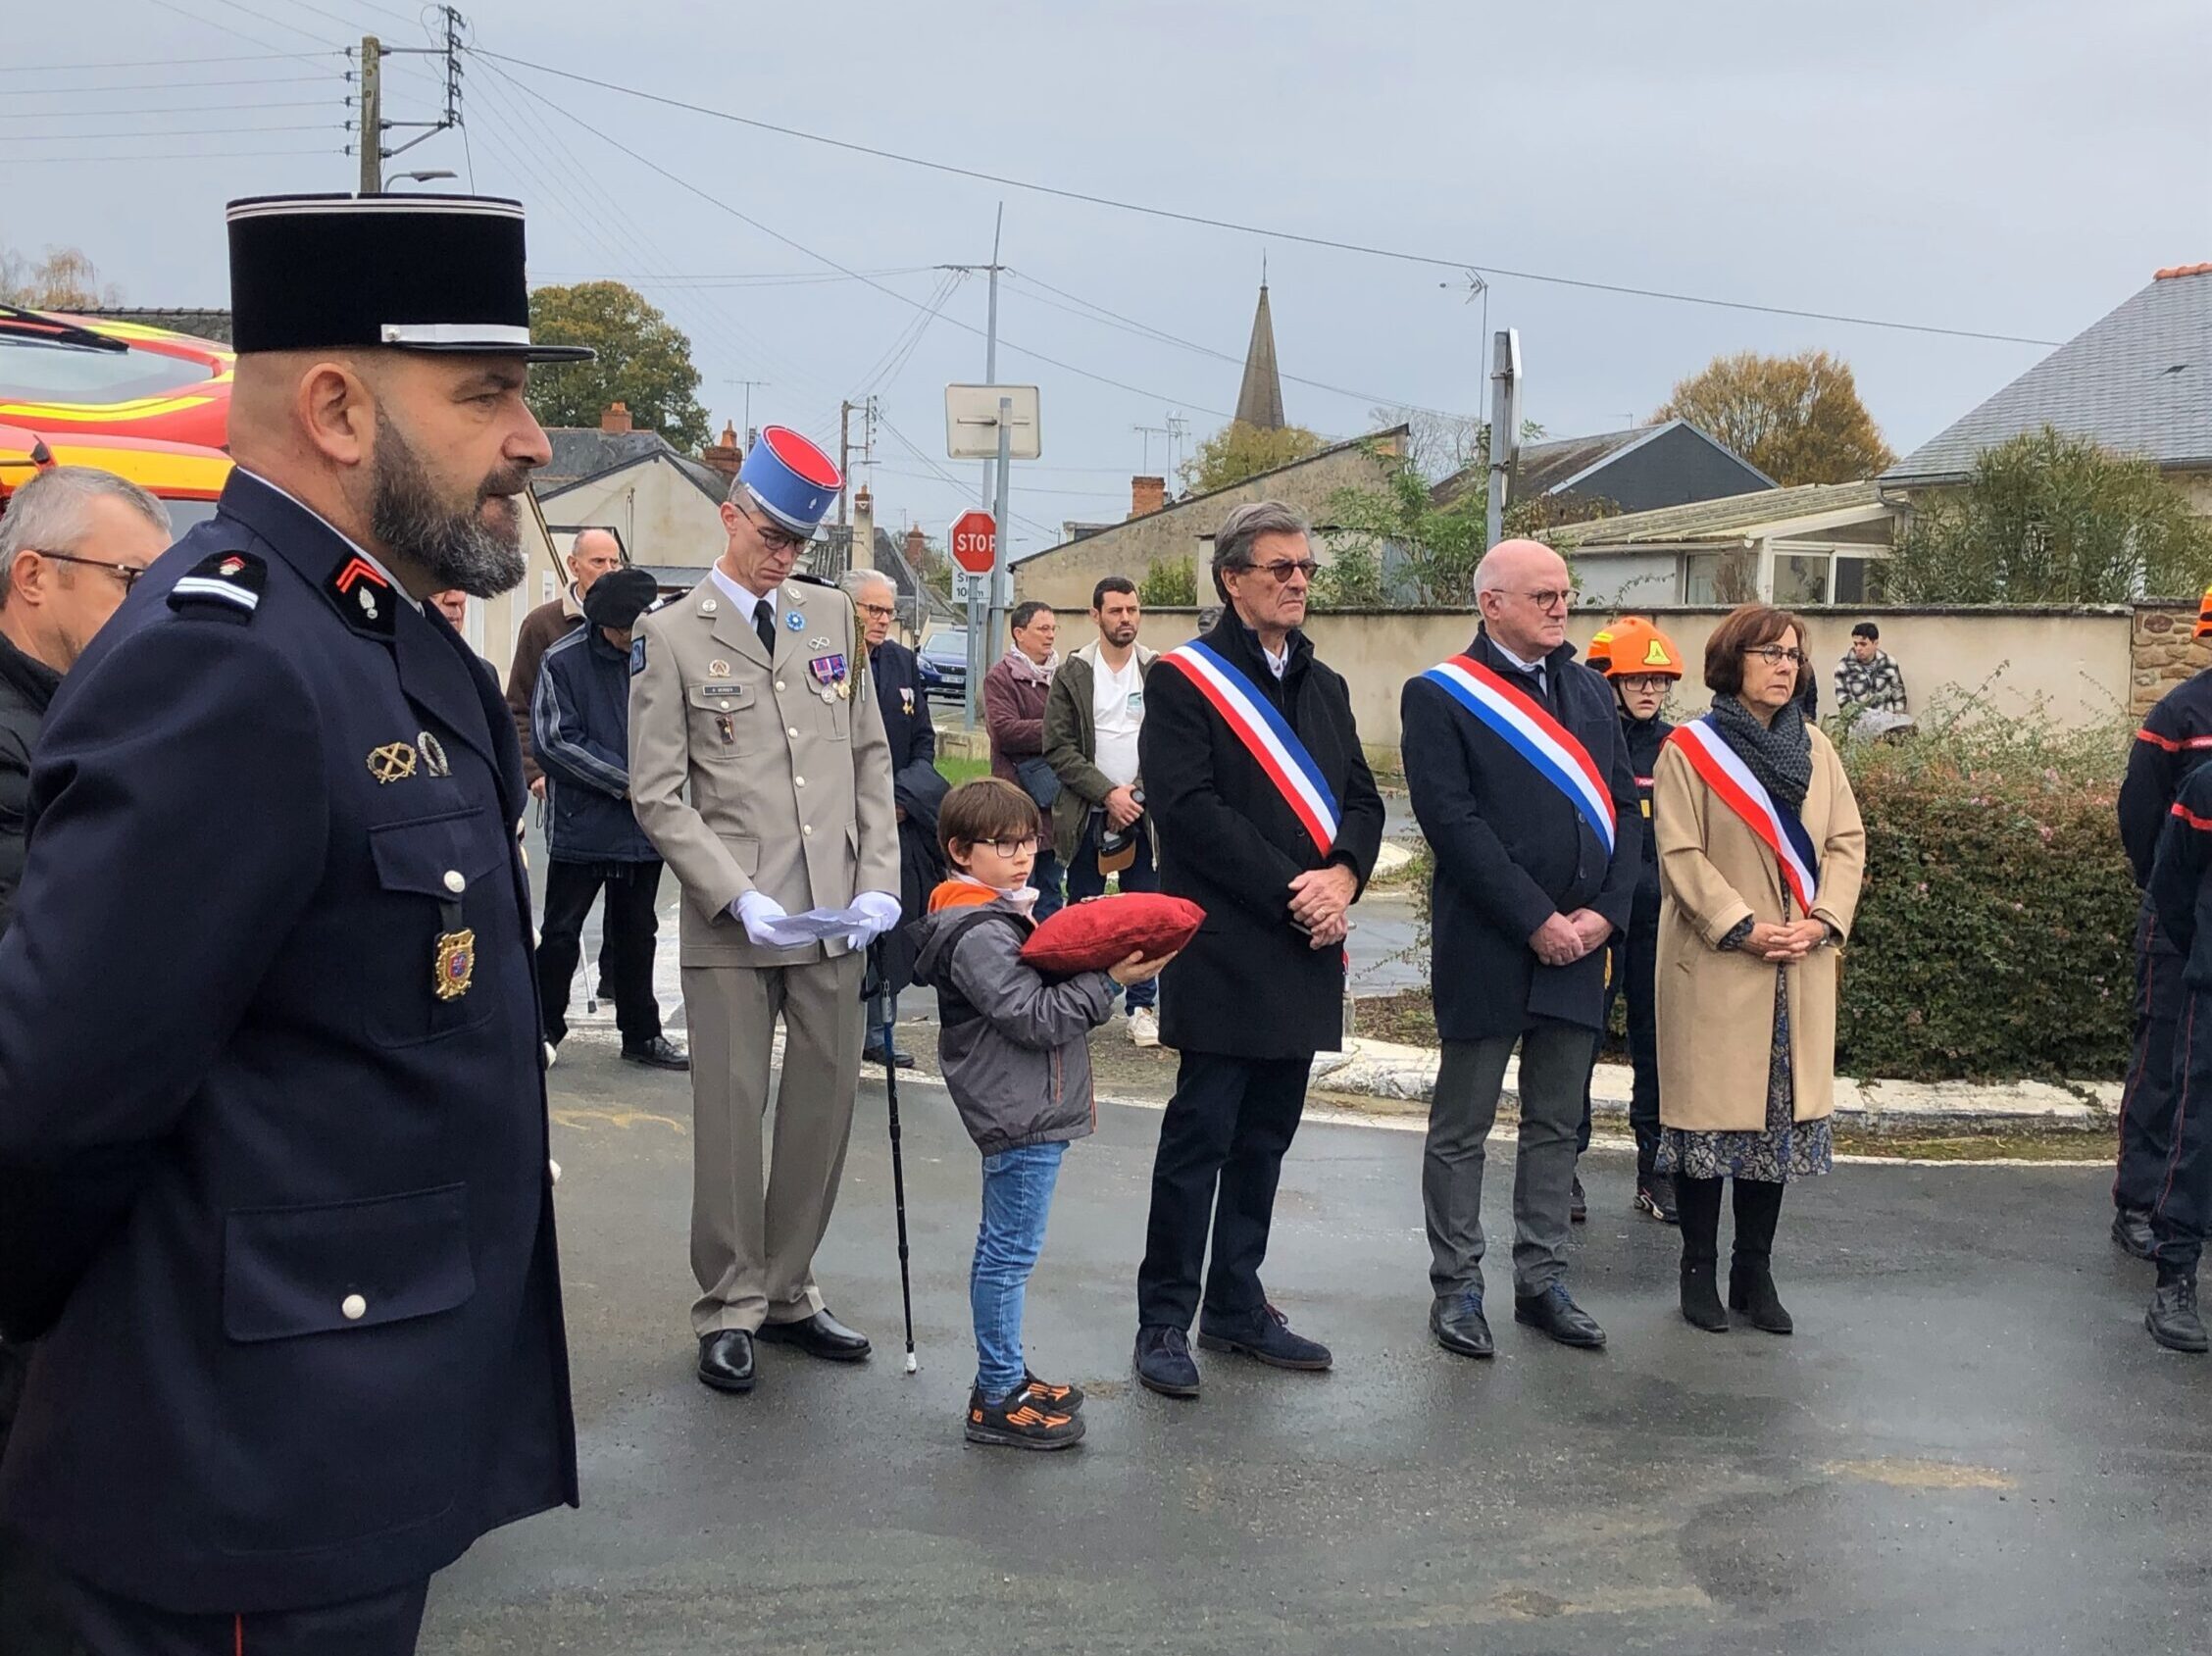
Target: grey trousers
{"type": "Point", "coordinates": [754, 1229]}
{"type": "Point", "coordinates": [1555, 1067]}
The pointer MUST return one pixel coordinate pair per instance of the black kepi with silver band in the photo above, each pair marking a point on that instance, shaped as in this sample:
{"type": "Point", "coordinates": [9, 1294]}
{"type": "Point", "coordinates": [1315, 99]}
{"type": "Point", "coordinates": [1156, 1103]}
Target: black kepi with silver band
{"type": "Point", "coordinates": [421, 273]}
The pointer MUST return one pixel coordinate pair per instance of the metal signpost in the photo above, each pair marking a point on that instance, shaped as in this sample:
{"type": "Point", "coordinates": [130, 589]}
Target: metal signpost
{"type": "Point", "coordinates": [997, 423]}
{"type": "Point", "coordinates": [973, 546]}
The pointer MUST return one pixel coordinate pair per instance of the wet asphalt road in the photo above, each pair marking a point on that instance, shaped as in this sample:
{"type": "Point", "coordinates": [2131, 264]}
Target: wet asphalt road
{"type": "Point", "coordinates": [1969, 1446]}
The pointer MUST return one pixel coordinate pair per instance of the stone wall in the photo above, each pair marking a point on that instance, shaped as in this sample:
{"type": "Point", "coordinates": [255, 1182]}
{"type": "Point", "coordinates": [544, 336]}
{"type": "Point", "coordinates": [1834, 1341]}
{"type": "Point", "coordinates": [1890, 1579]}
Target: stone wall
{"type": "Point", "coordinates": [2162, 653]}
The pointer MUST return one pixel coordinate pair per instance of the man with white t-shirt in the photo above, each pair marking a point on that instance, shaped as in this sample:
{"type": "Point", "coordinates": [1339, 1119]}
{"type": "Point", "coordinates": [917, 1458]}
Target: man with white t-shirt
{"type": "Point", "coordinates": [1092, 715]}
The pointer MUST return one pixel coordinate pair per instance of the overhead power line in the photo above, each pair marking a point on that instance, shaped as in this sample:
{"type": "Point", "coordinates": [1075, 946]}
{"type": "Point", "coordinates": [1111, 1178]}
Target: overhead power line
{"type": "Point", "coordinates": [166, 86]}
{"type": "Point", "coordinates": [773, 235]}
{"type": "Point", "coordinates": [191, 132]}
{"type": "Point", "coordinates": [170, 155]}
{"type": "Point", "coordinates": [167, 62]}
{"type": "Point", "coordinates": [1267, 232]}
{"type": "Point", "coordinates": [163, 109]}
{"type": "Point", "coordinates": [251, 39]}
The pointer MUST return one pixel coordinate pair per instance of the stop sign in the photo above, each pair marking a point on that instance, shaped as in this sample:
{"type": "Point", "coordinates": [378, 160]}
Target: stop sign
{"type": "Point", "coordinates": [974, 541]}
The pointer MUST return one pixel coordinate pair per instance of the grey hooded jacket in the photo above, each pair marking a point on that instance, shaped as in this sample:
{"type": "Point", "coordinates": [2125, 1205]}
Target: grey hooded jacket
{"type": "Point", "coordinates": [1015, 1047]}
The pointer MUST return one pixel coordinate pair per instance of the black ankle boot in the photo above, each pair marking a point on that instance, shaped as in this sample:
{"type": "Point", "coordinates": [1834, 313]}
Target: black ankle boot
{"type": "Point", "coordinates": [1698, 1203]}
{"type": "Point", "coordinates": [1701, 1295]}
{"type": "Point", "coordinates": [1751, 1290]}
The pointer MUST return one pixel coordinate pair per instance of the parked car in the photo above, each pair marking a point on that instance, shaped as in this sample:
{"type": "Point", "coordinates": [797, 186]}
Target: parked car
{"type": "Point", "coordinates": [944, 665]}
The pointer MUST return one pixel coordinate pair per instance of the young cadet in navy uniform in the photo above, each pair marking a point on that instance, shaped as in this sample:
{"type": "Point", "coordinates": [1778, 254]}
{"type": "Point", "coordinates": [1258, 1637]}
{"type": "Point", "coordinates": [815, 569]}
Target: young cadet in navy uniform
{"type": "Point", "coordinates": [273, 1127]}
{"type": "Point", "coordinates": [2181, 895]}
{"type": "Point", "coordinates": [2175, 737]}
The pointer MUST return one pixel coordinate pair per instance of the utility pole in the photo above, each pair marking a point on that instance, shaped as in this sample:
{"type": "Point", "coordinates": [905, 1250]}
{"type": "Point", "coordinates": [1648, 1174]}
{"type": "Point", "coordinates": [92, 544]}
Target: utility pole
{"type": "Point", "coordinates": [747, 386]}
{"type": "Point", "coordinates": [1506, 425]}
{"type": "Point", "coordinates": [1002, 540]}
{"type": "Point", "coordinates": [372, 116]}
{"type": "Point", "coordinates": [844, 459]}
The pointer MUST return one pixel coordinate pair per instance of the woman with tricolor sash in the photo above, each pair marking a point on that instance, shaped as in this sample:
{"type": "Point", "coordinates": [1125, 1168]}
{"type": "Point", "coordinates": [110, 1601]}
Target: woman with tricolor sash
{"type": "Point", "coordinates": [1761, 853]}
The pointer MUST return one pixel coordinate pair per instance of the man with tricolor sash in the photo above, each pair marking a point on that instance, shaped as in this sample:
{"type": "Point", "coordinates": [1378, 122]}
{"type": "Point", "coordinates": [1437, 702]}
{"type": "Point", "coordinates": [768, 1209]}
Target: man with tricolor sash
{"type": "Point", "coordinates": [1269, 820]}
{"type": "Point", "coordinates": [1523, 785]}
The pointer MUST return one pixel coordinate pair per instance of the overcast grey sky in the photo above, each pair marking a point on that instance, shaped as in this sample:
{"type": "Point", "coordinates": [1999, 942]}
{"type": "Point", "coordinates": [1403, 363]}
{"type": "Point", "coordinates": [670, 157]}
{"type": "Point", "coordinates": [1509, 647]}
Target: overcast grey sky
{"type": "Point", "coordinates": [2017, 167]}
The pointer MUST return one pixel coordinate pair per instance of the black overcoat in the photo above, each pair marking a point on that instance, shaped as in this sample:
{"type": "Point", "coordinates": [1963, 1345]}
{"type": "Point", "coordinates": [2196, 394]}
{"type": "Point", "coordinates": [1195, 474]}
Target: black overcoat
{"type": "Point", "coordinates": [291, 1204]}
{"type": "Point", "coordinates": [1510, 850]}
{"type": "Point", "coordinates": [1250, 985]}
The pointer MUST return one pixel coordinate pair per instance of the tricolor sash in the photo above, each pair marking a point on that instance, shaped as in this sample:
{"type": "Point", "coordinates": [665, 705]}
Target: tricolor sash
{"type": "Point", "coordinates": [1722, 769]}
{"type": "Point", "coordinates": [1266, 734]}
{"type": "Point", "coordinates": [1525, 727]}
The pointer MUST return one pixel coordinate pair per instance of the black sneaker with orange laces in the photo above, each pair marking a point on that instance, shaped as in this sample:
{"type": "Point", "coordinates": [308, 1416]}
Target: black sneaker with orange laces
{"type": "Point", "coordinates": [1024, 1420]}
{"type": "Point", "coordinates": [1068, 1399]}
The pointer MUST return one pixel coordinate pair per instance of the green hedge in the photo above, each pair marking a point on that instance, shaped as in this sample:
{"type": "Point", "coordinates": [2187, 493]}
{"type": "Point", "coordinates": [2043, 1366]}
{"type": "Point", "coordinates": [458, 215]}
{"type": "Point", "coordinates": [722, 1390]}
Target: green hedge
{"type": "Point", "coordinates": [1994, 938]}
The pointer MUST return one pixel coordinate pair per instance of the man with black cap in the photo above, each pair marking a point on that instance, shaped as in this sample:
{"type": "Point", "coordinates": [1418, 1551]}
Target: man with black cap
{"type": "Point", "coordinates": [759, 766]}
{"type": "Point", "coordinates": [274, 1171]}
{"type": "Point", "coordinates": [579, 725]}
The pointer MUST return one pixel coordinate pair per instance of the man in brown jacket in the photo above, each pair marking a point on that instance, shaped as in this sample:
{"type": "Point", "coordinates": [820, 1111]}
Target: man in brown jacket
{"type": "Point", "coordinates": [594, 554]}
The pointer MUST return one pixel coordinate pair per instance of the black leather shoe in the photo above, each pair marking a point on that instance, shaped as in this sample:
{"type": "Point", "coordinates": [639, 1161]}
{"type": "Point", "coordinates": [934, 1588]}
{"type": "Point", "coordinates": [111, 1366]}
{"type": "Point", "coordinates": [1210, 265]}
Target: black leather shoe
{"type": "Point", "coordinates": [1458, 1323]}
{"type": "Point", "coordinates": [820, 1336]}
{"type": "Point", "coordinates": [2131, 1228]}
{"type": "Point", "coordinates": [1554, 1311]}
{"type": "Point", "coordinates": [1266, 1338]}
{"type": "Point", "coordinates": [2173, 1319]}
{"type": "Point", "coordinates": [900, 1059]}
{"type": "Point", "coordinates": [659, 1053]}
{"type": "Point", "coordinates": [1163, 1362]}
{"type": "Point", "coordinates": [726, 1360]}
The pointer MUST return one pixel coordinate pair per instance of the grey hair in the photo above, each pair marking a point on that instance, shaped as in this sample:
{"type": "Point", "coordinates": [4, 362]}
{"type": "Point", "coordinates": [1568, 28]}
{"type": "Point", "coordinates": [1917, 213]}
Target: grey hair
{"type": "Point", "coordinates": [51, 513]}
{"type": "Point", "coordinates": [1232, 541]}
{"type": "Point", "coordinates": [856, 581]}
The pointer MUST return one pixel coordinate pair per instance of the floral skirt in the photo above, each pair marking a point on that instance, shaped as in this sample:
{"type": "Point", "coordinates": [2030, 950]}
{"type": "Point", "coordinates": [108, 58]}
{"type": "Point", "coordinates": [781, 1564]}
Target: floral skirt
{"type": "Point", "coordinates": [1785, 1149]}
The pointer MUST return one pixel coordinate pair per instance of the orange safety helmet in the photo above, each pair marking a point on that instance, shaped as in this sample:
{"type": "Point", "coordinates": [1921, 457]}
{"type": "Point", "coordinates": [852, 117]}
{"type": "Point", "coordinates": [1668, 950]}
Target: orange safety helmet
{"type": "Point", "coordinates": [1632, 648]}
{"type": "Point", "coordinates": [2204, 616]}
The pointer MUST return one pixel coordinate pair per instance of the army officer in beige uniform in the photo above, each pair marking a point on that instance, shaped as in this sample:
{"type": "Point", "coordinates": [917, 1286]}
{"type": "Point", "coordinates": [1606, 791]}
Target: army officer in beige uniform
{"type": "Point", "coordinates": [757, 767]}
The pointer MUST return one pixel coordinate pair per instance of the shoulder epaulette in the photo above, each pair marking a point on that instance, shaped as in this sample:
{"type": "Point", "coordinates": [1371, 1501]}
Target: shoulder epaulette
{"type": "Point", "coordinates": [811, 580]}
{"type": "Point", "coordinates": [223, 586]}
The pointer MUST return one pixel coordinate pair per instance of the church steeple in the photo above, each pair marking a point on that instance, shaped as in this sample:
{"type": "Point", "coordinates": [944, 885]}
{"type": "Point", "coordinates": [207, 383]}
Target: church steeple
{"type": "Point", "coordinates": [1259, 401]}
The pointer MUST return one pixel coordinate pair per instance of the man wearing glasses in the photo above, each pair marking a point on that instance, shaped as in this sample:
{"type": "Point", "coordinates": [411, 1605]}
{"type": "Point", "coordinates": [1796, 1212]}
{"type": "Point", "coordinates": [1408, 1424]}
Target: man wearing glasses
{"type": "Point", "coordinates": [1523, 785]}
{"type": "Point", "coordinates": [757, 767]}
{"type": "Point", "coordinates": [917, 786]}
{"type": "Point", "coordinates": [1268, 820]}
{"type": "Point", "coordinates": [73, 540]}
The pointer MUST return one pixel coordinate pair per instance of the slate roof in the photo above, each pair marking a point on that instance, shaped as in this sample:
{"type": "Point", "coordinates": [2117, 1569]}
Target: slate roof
{"type": "Point", "coordinates": [584, 452]}
{"type": "Point", "coordinates": [200, 323]}
{"type": "Point", "coordinates": [1734, 515]}
{"type": "Point", "coordinates": [1552, 466]}
{"type": "Point", "coordinates": [2140, 381]}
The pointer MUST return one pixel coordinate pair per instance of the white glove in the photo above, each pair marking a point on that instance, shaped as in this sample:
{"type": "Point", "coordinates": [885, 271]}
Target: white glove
{"type": "Point", "coordinates": [759, 912]}
{"type": "Point", "coordinates": [881, 911]}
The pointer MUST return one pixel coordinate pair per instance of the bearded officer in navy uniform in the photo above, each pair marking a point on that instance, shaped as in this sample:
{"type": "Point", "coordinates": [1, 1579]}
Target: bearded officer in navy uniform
{"type": "Point", "coordinates": [274, 1172]}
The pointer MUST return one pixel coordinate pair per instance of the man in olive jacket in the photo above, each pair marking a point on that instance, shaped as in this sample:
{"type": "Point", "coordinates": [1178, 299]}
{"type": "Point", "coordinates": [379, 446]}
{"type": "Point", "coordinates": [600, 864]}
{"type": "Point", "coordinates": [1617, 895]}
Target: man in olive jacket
{"type": "Point", "coordinates": [1261, 987]}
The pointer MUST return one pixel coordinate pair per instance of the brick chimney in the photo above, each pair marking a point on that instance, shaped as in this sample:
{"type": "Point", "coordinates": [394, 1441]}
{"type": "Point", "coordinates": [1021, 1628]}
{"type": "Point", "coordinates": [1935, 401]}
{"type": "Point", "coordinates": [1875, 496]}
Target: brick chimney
{"type": "Point", "coordinates": [724, 456]}
{"type": "Point", "coordinates": [917, 548]}
{"type": "Point", "coordinates": [1148, 494]}
{"type": "Point", "coordinates": [615, 418]}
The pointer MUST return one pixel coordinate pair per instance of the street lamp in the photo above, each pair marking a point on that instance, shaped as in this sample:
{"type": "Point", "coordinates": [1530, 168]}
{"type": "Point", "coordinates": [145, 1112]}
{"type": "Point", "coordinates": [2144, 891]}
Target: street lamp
{"type": "Point", "coordinates": [428, 175]}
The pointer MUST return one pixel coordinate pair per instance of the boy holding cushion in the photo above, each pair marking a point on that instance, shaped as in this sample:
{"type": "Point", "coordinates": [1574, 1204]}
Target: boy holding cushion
{"type": "Point", "coordinates": [1016, 1057]}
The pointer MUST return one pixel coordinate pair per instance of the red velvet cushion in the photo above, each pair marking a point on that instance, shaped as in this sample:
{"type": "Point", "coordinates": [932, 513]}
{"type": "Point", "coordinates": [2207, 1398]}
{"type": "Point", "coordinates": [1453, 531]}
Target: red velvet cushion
{"type": "Point", "coordinates": [1104, 932]}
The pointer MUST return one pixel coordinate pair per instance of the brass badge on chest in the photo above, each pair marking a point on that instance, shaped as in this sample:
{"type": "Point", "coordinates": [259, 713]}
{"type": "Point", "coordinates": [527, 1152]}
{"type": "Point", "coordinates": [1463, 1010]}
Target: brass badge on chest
{"type": "Point", "coordinates": [394, 762]}
{"type": "Point", "coordinates": [456, 966]}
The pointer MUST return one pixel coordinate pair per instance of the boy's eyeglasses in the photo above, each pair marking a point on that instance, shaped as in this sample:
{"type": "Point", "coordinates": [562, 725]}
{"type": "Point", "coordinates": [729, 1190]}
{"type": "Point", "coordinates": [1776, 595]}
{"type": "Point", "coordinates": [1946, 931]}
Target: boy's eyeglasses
{"type": "Point", "coordinates": [1013, 847]}
{"type": "Point", "coordinates": [1651, 684]}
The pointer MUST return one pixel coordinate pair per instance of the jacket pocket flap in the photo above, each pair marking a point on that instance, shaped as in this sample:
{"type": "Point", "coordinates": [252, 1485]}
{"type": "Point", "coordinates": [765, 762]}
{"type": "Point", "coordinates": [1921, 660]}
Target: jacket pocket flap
{"type": "Point", "coordinates": [345, 1264]}
{"type": "Point", "coordinates": [720, 698]}
{"type": "Point", "coordinates": [419, 855]}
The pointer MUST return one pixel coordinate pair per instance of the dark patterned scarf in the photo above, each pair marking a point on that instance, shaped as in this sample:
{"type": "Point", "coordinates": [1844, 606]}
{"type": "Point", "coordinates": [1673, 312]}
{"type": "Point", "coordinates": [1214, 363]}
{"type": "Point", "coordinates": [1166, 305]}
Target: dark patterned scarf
{"type": "Point", "coordinates": [1780, 754]}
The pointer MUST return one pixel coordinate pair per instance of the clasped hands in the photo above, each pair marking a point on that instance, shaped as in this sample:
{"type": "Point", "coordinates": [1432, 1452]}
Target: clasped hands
{"type": "Point", "coordinates": [1564, 938]}
{"type": "Point", "coordinates": [1320, 901]}
{"type": "Point", "coordinates": [763, 917]}
{"type": "Point", "coordinates": [1784, 944]}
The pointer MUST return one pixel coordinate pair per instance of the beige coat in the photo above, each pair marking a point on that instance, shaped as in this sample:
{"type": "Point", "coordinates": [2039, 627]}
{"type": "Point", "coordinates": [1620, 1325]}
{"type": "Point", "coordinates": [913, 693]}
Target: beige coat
{"type": "Point", "coordinates": [1716, 1009]}
{"type": "Point", "coordinates": [747, 777]}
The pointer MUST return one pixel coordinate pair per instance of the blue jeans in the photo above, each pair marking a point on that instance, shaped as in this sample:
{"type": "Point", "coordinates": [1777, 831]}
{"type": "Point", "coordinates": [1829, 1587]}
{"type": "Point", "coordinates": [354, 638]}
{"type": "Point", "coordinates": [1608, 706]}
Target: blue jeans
{"type": "Point", "coordinates": [1017, 1201]}
{"type": "Point", "coordinates": [1085, 880]}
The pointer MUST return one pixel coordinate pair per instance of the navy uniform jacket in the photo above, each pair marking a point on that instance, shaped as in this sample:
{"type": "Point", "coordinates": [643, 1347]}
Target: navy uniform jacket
{"type": "Point", "coordinates": [311, 1345]}
{"type": "Point", "coordinates": [2180, 894]}
{"type": "Point", "coordinates": [1511, 850]}
{"type": "Point", "coordinates": [1645, 738]}
{"type": "Point", "coordinates": [2175, 737]}
{"type": "Point", "coordinates": [1250, 984]}
{"type": "Point", "coordinates": [918, 788]}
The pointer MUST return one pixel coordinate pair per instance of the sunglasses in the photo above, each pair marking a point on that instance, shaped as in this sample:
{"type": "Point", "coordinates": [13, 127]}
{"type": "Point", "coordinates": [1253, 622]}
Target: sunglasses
{"type": "Point", "coordinates": [1281, 569]}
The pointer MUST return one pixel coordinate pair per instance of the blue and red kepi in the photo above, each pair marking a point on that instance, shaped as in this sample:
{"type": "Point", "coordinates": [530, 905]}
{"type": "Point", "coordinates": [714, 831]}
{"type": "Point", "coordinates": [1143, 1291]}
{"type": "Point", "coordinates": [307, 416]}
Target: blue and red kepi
{"type": "Point", "coordinates": [790, 479]}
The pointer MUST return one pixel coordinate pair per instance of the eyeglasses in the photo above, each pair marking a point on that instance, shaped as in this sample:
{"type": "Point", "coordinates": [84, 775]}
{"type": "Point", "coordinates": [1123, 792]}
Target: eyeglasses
{"type": "Point", "coordinates": [777, 537]}
{"type": "Point", "coordinates": [1647, 683]}
{"type": "Point", "coordinates": [1551, 598]}
{"type": "Point", "coordinates": [1282, 569]}
{"type": "Point", "coordinates": [1013, 847]}
{"type": "Point", "coordinates": [878, 612]}
{"type": "Point", "coordinates": [1774, 655]}
{"type": "Point", "coordinates": [127, 573]}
